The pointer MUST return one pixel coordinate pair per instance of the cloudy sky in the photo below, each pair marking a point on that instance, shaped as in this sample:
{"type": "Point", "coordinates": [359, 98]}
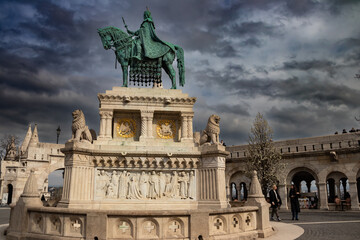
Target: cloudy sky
{"type": "Point", "coordinates": [292, 60]}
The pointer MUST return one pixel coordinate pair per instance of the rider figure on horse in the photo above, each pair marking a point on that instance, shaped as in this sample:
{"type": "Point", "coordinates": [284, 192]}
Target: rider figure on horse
{"type": "Point", "coordinates": [147, 43]}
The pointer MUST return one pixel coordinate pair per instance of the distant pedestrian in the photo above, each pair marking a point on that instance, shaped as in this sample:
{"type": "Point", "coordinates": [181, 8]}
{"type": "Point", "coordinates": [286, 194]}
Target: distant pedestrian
{"type": "Point", "coordinates": [294, 200]}
{"type": "Point", "coordinates": [275, 202]}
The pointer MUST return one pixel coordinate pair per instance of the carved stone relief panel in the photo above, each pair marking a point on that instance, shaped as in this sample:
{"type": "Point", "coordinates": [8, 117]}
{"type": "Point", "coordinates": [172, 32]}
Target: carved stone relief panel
{"type": "Point", "coordinates": [218, 225]}
{"type": "Point", "coordinates": [120, 228]}
{"type": "Point", "coordinates": [167, 126]}
{"type": "Point", "coordinates": [236, 224]}
{"type": "Point", "coordinates": [127, 126]}
{"type": "Point", "coordinates": [115, 183]}
{"type": "Point", "coordinates": [37, 222]}
{"type": "Point", "coordinates": [249, 221]}
{"type": "Point", "coordinates": [74, 226]}
{"type": "Point", "coordinates": [175, 228]}
{"type": "Point", "coordinates": [54, 224]}
{"type": "Point", "coordinates": [166, 129]}
{"type": "Point", "coordinates": [149, 229]}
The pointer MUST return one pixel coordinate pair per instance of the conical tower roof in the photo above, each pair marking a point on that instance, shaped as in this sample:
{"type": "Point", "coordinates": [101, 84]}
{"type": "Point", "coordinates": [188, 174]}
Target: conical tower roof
{"type": "Point", "coordinates": [34, 137]}
{"type": "Point", "coordinates": [26, 141]}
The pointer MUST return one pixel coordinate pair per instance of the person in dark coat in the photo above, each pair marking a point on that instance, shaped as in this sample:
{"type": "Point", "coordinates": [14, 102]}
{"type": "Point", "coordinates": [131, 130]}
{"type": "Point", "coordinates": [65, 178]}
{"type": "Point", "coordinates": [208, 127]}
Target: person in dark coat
{"type": "Point", "coordinates": [294, 201]}
{"type": "Point", "coordinates": [275, 202]}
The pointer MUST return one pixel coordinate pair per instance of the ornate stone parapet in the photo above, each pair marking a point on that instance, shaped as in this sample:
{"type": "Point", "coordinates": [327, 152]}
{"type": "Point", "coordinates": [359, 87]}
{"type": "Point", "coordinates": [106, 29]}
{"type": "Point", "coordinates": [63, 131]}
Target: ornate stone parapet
{"type": "Point", "coordinates": [50, 223]}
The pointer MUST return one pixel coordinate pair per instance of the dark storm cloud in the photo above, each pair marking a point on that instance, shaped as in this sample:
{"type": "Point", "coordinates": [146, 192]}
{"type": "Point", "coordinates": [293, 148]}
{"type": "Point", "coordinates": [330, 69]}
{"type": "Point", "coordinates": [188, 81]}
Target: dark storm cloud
{"type": "Point", "coordinates": [321, 65]}
{"type": "Point", "coordinates": [252, 29]}
{"type": "Point", "coordinates": [294, 89]}
{"type": "Point", "coordinates": [240, 109]}
{"type": "Point", "coordinates": [251, 42]}
{"type": "Point", "coordinates": [301, 7]}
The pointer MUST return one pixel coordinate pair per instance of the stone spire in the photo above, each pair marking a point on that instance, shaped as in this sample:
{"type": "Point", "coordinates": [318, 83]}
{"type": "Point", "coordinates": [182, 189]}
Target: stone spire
{"type": "Point", "coordinates": [26, 141]}
{"type": "Point", "coordinates": [34, 137]}
{"type": "Point", "coordinates": [31, 195]}
{"type": "Point", "coordinates": [31, 188]}
{"type": "Point", "coordinates": [255, 188]}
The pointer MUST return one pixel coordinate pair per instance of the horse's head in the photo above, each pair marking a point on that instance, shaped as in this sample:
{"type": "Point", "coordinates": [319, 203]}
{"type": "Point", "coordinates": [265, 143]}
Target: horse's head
{"type": "Point", "coordinates": [106, 38]}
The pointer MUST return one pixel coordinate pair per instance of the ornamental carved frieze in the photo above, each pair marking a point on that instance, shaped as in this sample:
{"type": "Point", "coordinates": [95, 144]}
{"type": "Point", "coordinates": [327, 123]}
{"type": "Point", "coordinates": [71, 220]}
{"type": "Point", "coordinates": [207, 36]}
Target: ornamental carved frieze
{"type": "Point", "coordinates": [145, 185]}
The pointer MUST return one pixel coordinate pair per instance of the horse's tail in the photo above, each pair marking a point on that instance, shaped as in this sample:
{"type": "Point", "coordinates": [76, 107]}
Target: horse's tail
{"type": "Point", "coordinates": [180, 65]}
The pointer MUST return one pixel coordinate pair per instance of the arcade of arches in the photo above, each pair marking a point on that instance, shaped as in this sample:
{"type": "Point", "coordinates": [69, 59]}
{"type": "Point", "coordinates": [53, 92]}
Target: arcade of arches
{"type": "Point", "coordinates": [325, 170]}
{"type": "Point", "coordinates": [320, 193]}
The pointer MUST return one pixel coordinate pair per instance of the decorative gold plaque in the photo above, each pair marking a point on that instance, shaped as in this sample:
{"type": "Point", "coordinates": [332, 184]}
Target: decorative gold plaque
{"type": "Point", "coordinates": [126, 128]}
{"type": "Point", "coordinates": [166, 129]}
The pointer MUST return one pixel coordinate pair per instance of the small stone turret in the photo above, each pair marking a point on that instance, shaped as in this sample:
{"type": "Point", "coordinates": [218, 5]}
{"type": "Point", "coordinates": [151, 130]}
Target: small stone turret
{"type": "Point", "coordinates": [256, 198]}
{"type": "Point", "coordinates": [31, 188]}
{"type": "Point", "coordinates": [34, 138]}
{"type": "Point", "coordinates": [26, 141]}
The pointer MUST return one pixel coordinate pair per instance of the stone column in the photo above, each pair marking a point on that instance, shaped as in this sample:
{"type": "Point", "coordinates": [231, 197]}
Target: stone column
{"type": "Point", "coordinates": [337, 183]}
{"type": "Point", "coordinates": [353, 195]}
{"type": "Point", "coordinates": [150, 126]}
{"type": "Point", "coordinates": [308, 185]}
{"type": "Point", "coordinates": [146, 124]}
{"type": "Point", "coordinates": [102, 124]}
{"type": "Point", "coordinates": [105, 124]}
{"type": "Point", "coordinates": [323, 196]}
{"type": "Point", "coordinates": [109, 117]}
{"type": "Point", "coordinates": [184, 125]}
{"type": "Point", "coordinates": [238, 190]}
{"type": "Point", "coordinates": [190, 127]}
{"type": "Point", "coordinates": [283, 195]}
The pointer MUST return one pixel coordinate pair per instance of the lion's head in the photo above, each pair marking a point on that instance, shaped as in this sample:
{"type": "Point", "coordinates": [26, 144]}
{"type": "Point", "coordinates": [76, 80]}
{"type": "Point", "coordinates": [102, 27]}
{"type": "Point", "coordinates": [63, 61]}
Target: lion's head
{"type": "Point", "coordinates": [214, 119]}
{"type": "Point", "coordinates": [78, 119]}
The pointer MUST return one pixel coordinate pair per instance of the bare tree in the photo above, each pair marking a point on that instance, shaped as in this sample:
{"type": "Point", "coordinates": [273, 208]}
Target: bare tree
{"type": "Point", "coordinates": [8, 143]}
{"type": "Point", "coordinates": [263, 156]}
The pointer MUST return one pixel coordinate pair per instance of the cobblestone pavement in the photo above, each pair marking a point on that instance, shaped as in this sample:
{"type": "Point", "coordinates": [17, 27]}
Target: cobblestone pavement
{"type": "Point", "coordinates": [323, 225]}
{"type": "Point", "coordinates": [4, 215]}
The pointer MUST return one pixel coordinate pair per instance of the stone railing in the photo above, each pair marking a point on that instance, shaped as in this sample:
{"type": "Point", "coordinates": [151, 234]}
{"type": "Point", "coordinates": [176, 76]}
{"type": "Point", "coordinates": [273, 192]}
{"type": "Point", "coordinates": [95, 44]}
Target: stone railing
{"type": "Point", "coordinates": [61, 223]}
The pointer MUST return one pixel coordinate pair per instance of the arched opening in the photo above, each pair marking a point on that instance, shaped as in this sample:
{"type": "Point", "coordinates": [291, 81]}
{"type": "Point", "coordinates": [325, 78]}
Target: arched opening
{"type": "Point", "coordinates": [10, 193]}
{"type": "Point", "coordinates": [233, 190]}
{"type": "Point", "coordinates": [54, 187]}
{"type": "Point", "coordinates": [239, 183]}
{"type": "Point", "coordinates": [306, 182]}
{"type": "Point", "coordinates": [338, 186]}
{"type": "Point", "coordinates": [243, 191]}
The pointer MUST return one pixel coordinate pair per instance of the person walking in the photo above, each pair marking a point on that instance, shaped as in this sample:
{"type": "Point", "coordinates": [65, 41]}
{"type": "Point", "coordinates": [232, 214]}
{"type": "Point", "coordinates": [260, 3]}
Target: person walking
{"type": "Point", "coordinates": [294, 201]}
{"type": "Point", "coordinates": [275, 201]}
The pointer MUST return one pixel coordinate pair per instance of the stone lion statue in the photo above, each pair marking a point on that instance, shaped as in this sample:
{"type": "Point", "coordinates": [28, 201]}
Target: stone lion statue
{"type": "Point", "coordinates": [79, 129]}
{"type": "Point", "coordinates": [211, 132]}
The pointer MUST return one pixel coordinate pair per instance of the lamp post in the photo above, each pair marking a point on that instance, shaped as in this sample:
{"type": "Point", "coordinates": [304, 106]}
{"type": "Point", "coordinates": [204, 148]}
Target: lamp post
{"type": "Point", "coordinates": [58, 130]}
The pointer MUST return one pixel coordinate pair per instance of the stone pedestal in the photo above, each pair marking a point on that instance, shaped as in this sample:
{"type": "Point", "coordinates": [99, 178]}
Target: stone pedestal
{"type": "Point", "coordinates": [143, 178]}
{"type": "Point", "coordinates": [212, 186]}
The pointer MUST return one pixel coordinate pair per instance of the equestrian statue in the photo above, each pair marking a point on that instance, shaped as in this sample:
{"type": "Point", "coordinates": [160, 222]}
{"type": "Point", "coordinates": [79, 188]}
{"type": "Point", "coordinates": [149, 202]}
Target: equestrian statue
{"type": "Point", "coordinates": [145, 53]}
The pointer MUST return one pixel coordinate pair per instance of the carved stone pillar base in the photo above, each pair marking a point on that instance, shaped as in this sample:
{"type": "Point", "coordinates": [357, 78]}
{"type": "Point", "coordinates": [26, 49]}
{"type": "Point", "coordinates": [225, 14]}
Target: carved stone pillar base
{"type": "Point", "coordinates": [212, 186]}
